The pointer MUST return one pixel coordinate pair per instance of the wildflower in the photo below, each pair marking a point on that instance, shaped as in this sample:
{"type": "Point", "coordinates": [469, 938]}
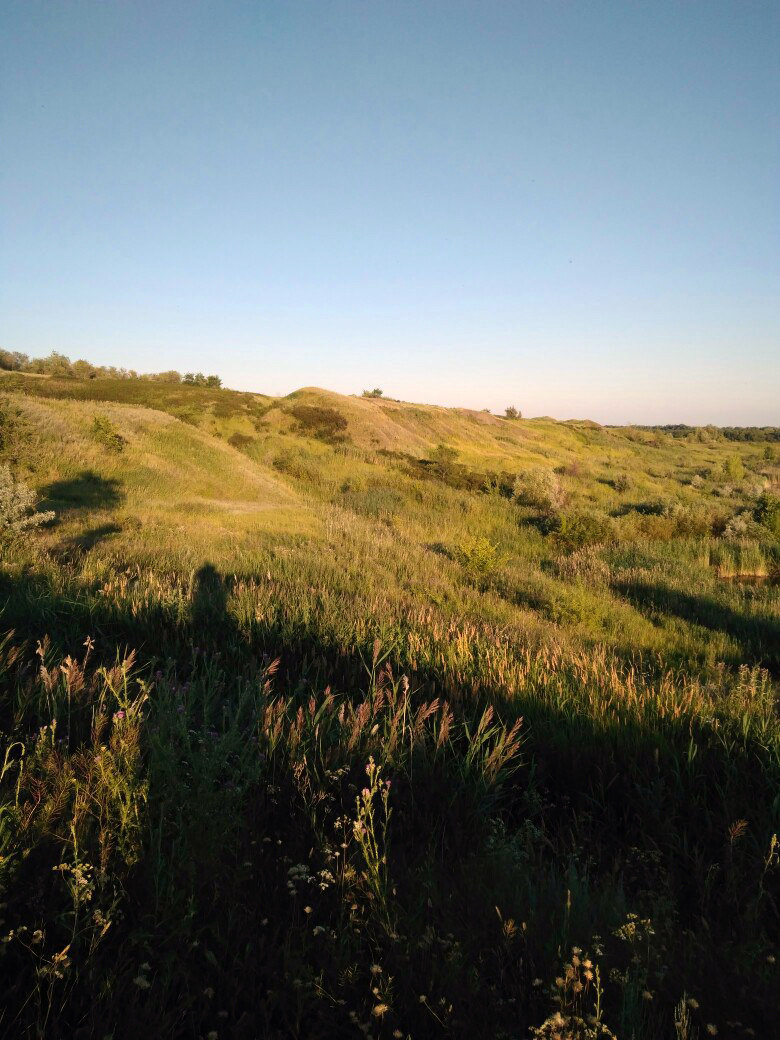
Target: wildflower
{"type": "Point", "coordinates": [208, 992]}
{"type": "Point", "coordinates": [692, 1002]}
{"type": "Point", "coordinates": [537, 982]}
{"type": "Point", "coordinates": [379, 1009]}
{"type": "Point", "coordinates": [146, 966]}
{"type": "Point", "coordinates": [141, 982]}
{"type": "Point", "coordinates": [212, 1035]}
{"type": "Point", "coordinates": [375, 969]}
{"type": "Point", "coordinates": [119, 715]}
{"type": "Point", "coordinates": [397, 1034]}
{"type": "Point", "coordinates": [423, 998]}
{"type": "Point", "coordinates": [647, 995]}
{"type": "Point", "coordinates": [712, 1030]}
{"type": "Point", "coordinates": [37, 936]}
{"type": "Point", "coordinates": [770, 958]}
{"type": "Point", "coordinates": [307, 910]}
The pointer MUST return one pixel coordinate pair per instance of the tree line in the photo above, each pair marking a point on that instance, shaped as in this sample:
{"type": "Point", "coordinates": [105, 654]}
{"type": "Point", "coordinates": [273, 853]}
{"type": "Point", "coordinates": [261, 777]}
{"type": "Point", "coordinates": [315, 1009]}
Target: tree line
{"type": "Point", "coordinates": [61, 366]}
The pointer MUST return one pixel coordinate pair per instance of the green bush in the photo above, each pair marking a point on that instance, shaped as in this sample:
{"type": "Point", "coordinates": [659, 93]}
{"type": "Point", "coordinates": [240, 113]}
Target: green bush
{"type": "Point", "coordinates": [297, 465]}
{"type": "Point", "coordinates": [575, 530]}
{"type": "Point", "coordinates": [767, 512]}
{"type": "Point", "coordinates": [107, 434]}
{"type": "Point", "coordinates": [539, 489]}
{"type": "Point", "coordinates": [478, 556]}
{"type": "Point", "coordinates": [733, 469]}
{"type": "Point", "coordinates": [18, 514]}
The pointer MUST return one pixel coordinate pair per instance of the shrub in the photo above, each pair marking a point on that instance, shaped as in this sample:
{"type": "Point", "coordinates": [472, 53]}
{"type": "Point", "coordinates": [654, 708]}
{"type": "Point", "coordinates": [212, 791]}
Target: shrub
{"type": "Point", "coordinates": [240, 440]}
{"type": "Point", "coordinates": [296, 464]}
{"type": "Point", "coordinates": [740, 525]}
{"type": "Point", "coordinates": [325, 424]}
{"type": "Point", "coordinates": [18, 515]}
{"type": "Point", "coordinates": [104, 431]}
{"type": "Point", "coordinates": [512, 413]}
{"type": "Point", "coordinates": [578, 529]}
{"type": "Point", "coordinates": [444, 454]}
{"type": "Point", "coordinates": [622, 482]}
{"type": "Point", "coordinates": [767, 512]}
{"type": "Point", "coordinates": [539, 489]}
{"type": "Point", "coordinates": [733, 469]}
{"type": "Point", "coordinates": [478, 556]}
{"type": "Point", "coordinates": [376, 392]}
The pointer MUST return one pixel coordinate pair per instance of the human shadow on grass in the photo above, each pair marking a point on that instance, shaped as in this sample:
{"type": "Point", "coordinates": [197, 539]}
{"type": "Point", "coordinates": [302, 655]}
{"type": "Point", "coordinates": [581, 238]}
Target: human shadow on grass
{"type": "Point", "coordinates": [614, 785]}
{"type": "Point", "coordinates": [87, 491]}
{"type": "Point", "coordinates": [758, 635]}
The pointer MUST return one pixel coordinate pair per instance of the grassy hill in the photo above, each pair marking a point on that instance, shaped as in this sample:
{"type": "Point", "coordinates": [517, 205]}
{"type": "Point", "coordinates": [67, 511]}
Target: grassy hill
{"type": "Point", "coordinates": [559, 643]}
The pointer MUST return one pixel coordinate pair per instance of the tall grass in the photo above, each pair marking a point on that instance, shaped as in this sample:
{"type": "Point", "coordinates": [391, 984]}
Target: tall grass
{"type": "Point", "coordinates": [342, 745]}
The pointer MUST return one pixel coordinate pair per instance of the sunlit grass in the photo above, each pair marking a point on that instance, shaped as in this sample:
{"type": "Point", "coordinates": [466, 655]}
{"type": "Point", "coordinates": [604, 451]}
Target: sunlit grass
{"type": "Point", "coordinates": [301, 738]}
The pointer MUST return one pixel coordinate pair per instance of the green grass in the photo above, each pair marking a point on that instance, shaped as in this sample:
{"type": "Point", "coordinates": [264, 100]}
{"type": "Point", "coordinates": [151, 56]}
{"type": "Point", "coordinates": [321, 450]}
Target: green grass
{"type": "Point", "coordinates": [576, 711]}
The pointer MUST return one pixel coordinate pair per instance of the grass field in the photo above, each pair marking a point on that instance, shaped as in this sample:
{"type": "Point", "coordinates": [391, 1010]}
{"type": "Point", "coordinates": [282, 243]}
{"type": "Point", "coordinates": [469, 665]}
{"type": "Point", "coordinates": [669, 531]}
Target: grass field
{"type": "Point", "coordinates": [333, 716]}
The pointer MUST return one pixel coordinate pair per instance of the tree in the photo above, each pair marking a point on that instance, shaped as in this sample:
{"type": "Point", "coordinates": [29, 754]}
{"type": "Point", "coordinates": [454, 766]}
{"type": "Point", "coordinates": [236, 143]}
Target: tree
{"type": "Point", "coordinates": [512, 413]}
{"type": "Point", "coordinates": [376, 392]}
{"type": "Point", "coordinates": [13, 361]}
{"type": "Point", "coordinates": [214, 381]}
{"type": "Point", "coordinates": [83, 370]}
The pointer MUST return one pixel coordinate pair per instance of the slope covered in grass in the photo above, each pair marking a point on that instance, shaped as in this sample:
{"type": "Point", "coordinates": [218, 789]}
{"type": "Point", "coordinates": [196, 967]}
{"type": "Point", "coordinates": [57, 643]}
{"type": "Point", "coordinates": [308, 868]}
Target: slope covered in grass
{"type": "Point", "coordinates": [354, 717]}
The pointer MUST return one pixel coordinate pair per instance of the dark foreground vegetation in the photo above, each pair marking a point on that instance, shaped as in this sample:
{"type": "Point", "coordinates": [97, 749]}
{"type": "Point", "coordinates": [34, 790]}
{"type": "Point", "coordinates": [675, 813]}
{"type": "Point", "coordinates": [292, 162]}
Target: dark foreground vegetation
{"type": "Point", "coordinates": [388, 743]}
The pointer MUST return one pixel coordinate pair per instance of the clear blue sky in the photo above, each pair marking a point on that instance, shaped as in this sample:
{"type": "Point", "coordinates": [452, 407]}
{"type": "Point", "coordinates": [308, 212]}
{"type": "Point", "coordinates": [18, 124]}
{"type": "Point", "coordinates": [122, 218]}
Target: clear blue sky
{"type": "Point", "coordinates": [574, 207]}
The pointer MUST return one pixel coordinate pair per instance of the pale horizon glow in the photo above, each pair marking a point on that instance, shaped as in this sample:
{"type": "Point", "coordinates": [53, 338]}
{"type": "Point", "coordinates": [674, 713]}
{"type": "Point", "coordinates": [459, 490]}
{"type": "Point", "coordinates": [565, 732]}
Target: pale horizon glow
{"type": "Point", "coordinates": [570, 208]}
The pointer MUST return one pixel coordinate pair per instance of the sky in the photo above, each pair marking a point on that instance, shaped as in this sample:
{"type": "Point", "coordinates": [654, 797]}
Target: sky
{"type": "Point", "coordinates": [572, 207]}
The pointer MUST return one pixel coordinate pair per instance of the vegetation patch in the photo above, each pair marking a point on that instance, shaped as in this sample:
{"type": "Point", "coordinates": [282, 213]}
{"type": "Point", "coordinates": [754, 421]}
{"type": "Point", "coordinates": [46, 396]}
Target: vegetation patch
{"type": "Point", "coordinates": [325, 424]}
{"type": "Point", "coordinates": [106, 433]}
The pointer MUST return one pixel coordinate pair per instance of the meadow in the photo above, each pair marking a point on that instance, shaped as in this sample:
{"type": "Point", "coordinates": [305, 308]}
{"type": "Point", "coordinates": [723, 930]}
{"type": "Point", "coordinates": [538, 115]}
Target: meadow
{"type": "Point", "coordinates": [331, 716]}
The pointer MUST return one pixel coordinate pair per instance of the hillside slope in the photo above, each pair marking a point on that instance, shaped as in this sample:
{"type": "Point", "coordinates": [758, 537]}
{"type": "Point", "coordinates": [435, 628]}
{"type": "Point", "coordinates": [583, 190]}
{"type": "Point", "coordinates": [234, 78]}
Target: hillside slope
{"type": "Point", "coordinates": [323, 716]}
{"type": "Point", "coordinates": [161, 483]}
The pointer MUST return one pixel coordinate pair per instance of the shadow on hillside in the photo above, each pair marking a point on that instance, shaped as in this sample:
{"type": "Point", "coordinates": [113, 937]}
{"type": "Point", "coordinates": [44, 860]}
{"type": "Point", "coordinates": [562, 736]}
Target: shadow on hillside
{"type": "Point", "coordinates": [618, 786]}
{"type": "Point", "coordinates": [574, 757]}
{"type": "Point", "coordinates": [89, 539]}
{"type": "Point", "coordinates": [86, 491]}
{"type": "Point", "coordinates": [758, 635]}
